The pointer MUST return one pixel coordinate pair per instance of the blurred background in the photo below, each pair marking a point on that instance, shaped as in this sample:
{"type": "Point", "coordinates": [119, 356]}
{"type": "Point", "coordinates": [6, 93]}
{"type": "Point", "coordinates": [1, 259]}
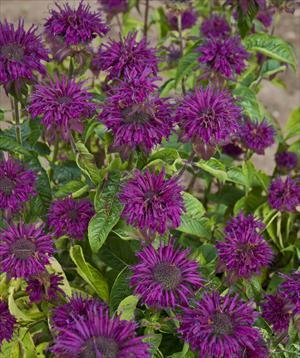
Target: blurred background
{"type": "Point", "coordinates": [279, 97]}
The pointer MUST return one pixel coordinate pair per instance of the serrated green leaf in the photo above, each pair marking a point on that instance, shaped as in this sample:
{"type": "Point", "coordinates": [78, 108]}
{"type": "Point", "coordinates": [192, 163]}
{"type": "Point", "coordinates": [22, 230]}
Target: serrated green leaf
{"type": "Point", "coordinates": [193, 207]}
{"type": "Point", "coordinates": [127, 307]}
{"type": "Point", "coordinates": [90, 275]}
{"type": "Point", "coordinates": [86, 162]}
{"type": "Point", "coordinates": [197, 227]}
{"type": "Point", "coordinates": [185, 66]}
{"type": "Point", "coordinates": [69, 188]}
{"type": "Point", "coordinates": [292, 127]}
{"type": "Point", "coordinates": [247, 99]}
{"type": "Point", "coordinates": [271, 46]}
{"type": "Point", "coordinates": [213, 167]}
{"type": "Point", "coordinates": [9, 144]}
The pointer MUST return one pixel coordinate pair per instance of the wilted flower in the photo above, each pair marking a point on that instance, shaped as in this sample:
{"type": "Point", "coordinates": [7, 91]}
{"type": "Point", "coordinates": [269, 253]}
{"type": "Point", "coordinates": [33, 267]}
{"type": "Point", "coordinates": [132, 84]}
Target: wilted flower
{"type": "Point", "coordinates": [165, 277]}
{"type": "Point", "coordinates": [290, 288]}
{"type": "Point", "coordinates": [232, 149]}
{"type": "Point", "coordinates": [17, 184]}
{"type": "Point", "coordinates": [66, 315]}
{"type": "Point", "coordinates": [152, 202]}
{"type": "Point", "coordinates": [244, 252]}
{"type": "Point", "coordinates": [24, 250]}
{"type": "Point", "coordinates": [44, 287]}
{"type": "Point", "coordinates": [265, 16]}
{"type": "Point", "coordinates": [137, 121]}
{"type": "Point", "coordinates": [7, 322]}
{"type": "Point", "coordinates": [257, 136]}
{"type": "Point", "coordinates": [276, 310]}
{"type": "Point", "coordinates": [246, 4]}
{"type": "Point", "coordinates": [70, 217]}
{"type": "Point", "coordinates": [100, 336]}
{"type": "Point", "coordinates": [284, 195]}
{"type": "Point", "coordinates": [209, 115]}
{"type": "Point", "coordinates": [21, 53]}
{"type": "Point", "coordinates": [286, 160]}
{"type": "Point", "coordinates": [188, 19]}
{"type": "Point", "coordinates": [127, 53]}
{"type": "Point", "coordinates": [219, 326]}
{"type": "Point", "coordinates": [216, 26]}
{"type": "Point", "coordinates": [75, 26]}
{"type": "Point", "coordinates": [113, 7]}
{"type": "Point", "coordinates": [224, 56]}
{"type": "Point", "coordinates": [63, 104]}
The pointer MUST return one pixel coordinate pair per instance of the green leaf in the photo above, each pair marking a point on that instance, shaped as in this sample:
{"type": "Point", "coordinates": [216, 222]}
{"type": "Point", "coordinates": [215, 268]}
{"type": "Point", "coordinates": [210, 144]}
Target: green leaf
{"type": "Point", "coordinates": [127, 307]}
{"type": "Point", "coordinates": [186, 65]}
{"type": "Point", "coordinates": [193, 207]}
{"type": "Point", "coordinates": [163, 22]}
{"type": "Point", "coordinates": [245, 20]}
{"type": "Point", "coordinates": [272, 46]}
{"type": "Point", "coordinates": [66, 172]}
{"type": "Point", "coordinates": [213, 167]}
{"type": "Point", "coordinates": [89, 274]}
{"type": "Point", "coordinates": [292, 127]}
{"type": "Point", "coordinates": [86, 162]}
{"type": "Point", "coordinates": [192, 226]}
{"type": "Point", "coordinates": [55, 267]}
{"type": "Point", "coordinates": [69, 188]}
{"type": "Point", "coordinates": [9, 144]}
{"type": "Point", "coordinates": [247, 99]}
{"type": "Point", "coordinates": [236, 175]}
{"type": "Point", "coordinates": [120, 289]}
{"type": "Point", "coordinates": [108, 209]}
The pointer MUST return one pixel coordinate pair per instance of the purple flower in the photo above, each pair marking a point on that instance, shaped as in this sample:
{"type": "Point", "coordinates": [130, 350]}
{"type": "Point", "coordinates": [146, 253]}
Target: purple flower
{"type": "Point", "coordinates": [66, 315]}
{"type": "Point", "coordinates": [63, 104]}
{"type": "Point", "coordinates": [257, 136]}
{"type": "Point", "coordinates": [165, 277]}
{"type": "Point", "coordinates": [24, 250]}
{"type": "Point", "coordinates": [188, 19]}
{"type": "Point", "coordinates": [244, 252]}
{"type": "Point", "coordinates": [216, 26]}
{"type": "Point", "coordinates": [127, 53]}
{"type": "Point", "coordinates": [113, 7]}
{"type": "Point", "coordinates": [70, 217]}
{"type": "Point", "coordinates": [7, 322]}
{"type": "Point", "coordinates": [276, 310]}
{"type": "Point", "coordinates": [286, 160]}
{"type": "Point", "coordinates": [152, 202]}
{"type": "Point", "coordinates": [136, 121]}
{"type": "Point", "coordinates": [265, 16]}
{"type": "Point", "coordinates": [259, 350]}
{"type": "Point", "coordinates": [21, 53]}
{"type": "Point", "coordinates": [17, 185]}
{"type": "Point", "coordinates": [284, 195]}
{"type": "Point", "coordinates": [44, 287]}
{"type": "Point", "coordinates": [246, 4]}
{"type": "Point", "coordinates": [219, 326]}
{"type": "Point", "coordinates": [232, 149]}
{"type": "Point", "coordinates": [100, 336]}
{"type": "Point", "coordinates": [75, 26]}
{"type": "Point", "coordinates": [290, 288]}
{"type": "Point", "coordinates": [226, 56]}
{"type": "Point", "coordinates": [210, 115]}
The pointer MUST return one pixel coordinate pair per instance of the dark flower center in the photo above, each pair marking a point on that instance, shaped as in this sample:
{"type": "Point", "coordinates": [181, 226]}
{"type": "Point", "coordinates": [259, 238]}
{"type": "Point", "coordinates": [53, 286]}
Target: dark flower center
{"type": "Point", "coordinates": [23, 249]}
{"type": "Point", "coordinates": [207, 115]}
{"type": "Point", "coordinates": [7, 185]}
{"type": "Point", "coordinates": [73, 214]}
{"type": "Point", "coordinates": [135, 116]}
{"type": "Point", "coordinates": [222, 324]}
{"type": "Point", "coordinates": [168, 275]}
{"type": "Point", "coordinates": [64, 99]}
{"type": "Point", "coordinates": [12, 52]}
{"type": "Point", "coordinates": [104, 345]}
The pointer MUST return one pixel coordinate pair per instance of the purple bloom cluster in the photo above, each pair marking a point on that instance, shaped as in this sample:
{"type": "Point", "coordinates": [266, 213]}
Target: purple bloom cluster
{"type": "Point", "coordinates": [284, 195]}
{"type": "Point", "coordinates": [152, 202]}
{"type": "Point", "coordinates": [21, 54]}
{"type": "Point", "coordinates": [44, 287]}
{"type": "Point", "coordinates": [209, 115]}
{"type": "Point", "coordinates": [165, 277]}
{"type": "Point", "coordinates": [75, 26]}
{"type": "Point", "coordinates": [128, 53]}
{"type": "Point", "coordinates": [286, 160]}
{"type": "Point", "coordinates": [224, 56]}
{"type": "Point", "coordinates": [24, 250]}
{"type": "Point", "coordinates": [215, 26]}
{"type": "Point", "coordinates": [98, 335]}
{"type": "Point", "coordinates": [62, 104]}
{"type": "Point", "coordinates": [244, 252]}
{"type": "Point", "coordinates": [17, 185]}
{"type": "Point", "coordinates": [277, 311]}
{"type": "Point", "coordinates": [137, 119]}
{"type": "Point", "coordinates": [113, 7]}
{"type": "Point", "coordinates": [220, 326]}
{"type": "Point", "coordinates": [257, 136]}
{"type": "Point", "coordinates": [265, 16]}
{"type": "Point", "coordinates": [188, 19]}
{"type": "Point", "coordinates": [70, 217]}
{"type": "Point", "coordinates": [290, 288]}
{"type": "Point", "coordinates": [7, 322]}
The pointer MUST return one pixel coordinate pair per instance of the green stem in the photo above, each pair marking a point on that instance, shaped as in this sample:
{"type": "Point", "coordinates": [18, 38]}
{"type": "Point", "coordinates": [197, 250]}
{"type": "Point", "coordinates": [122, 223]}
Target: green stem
{"type": "Point", "coordinates": [279, 234]}
{"type": "Point", "coordinates": [54, 158]}
{"type": "Point", "coordinates": [17, 122]}
{"type": "Point", "coordinates": [146, 19]}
